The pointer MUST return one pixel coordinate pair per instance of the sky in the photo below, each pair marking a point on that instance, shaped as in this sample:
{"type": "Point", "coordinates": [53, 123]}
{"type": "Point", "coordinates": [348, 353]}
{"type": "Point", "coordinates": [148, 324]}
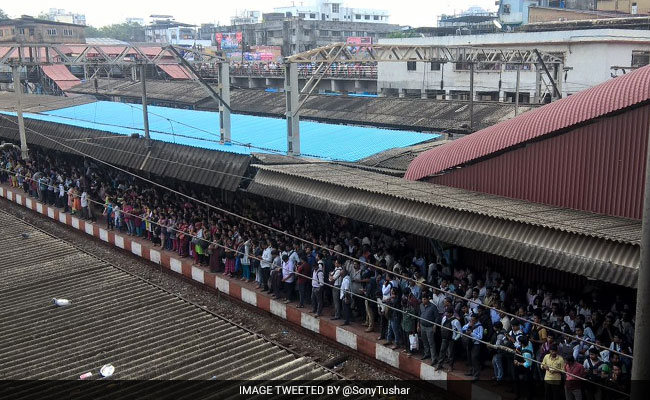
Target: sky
{"type": "Point", "coordinates": [99, 13]}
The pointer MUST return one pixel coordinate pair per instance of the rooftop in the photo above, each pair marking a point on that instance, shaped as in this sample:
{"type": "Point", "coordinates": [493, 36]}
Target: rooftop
{"type": "Point", "coordinates": [26, 19]}
{"type": "Point", "coordinates": [201, 129]}
{"type": "Point", "coordinates": [614, 95]}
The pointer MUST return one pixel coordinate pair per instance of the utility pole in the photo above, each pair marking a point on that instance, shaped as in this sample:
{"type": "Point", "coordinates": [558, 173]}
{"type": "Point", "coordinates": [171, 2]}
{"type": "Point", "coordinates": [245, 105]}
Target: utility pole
{"type": "Point", "coordinates": [293, 97]}
{"type": "Point", "coordinates": [517, 90]}
{"type": "Point", "coordinates": [145, 114]}
{"type": "Point", "coordinates": [18, 90]}
{"type": "Point", "coordinates": [641, 364]}
{"type": "Point", "coordinates": [224, 95]}
{"type": "Point", "coordinates": [471, 95]}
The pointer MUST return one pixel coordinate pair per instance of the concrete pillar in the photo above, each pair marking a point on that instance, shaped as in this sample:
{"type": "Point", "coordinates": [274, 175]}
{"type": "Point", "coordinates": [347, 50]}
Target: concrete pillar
{"type": "Point", "coordinates": [423, 94]}
{"type": "Point", "coordinates": [224, 93]}
{"type": "Point", "coordinates": [18, 91]}
{"type": "Point", "coordinates": [400, 93]}
{"type": "Point", "coordinates": [292, 94]}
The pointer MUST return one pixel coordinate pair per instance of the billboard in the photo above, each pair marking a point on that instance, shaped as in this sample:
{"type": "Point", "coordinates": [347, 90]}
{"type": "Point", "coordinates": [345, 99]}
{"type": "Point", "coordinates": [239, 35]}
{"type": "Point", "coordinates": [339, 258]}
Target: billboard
{"type": "Point", "coordinates": [228, 41]}
{"type": "Point", "coordinates": [366, 40]}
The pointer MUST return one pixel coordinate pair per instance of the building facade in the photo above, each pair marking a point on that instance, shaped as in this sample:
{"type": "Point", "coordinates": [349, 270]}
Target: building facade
{"type": "Point", "coordinates": [295, 34]}
{"type": "Point", "coordinates": [164, 30]}
{"type": "Point", "coordinates": [625, 6]}
{"type": "Point", "coordinates": [588, 61]}
{"type": "Point", "coordinates": [27, 29]}
{"type": "Point", "coordinates": [324, 10]}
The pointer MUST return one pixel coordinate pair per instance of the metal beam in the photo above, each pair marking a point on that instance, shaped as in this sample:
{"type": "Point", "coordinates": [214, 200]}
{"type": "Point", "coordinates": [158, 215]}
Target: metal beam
{"type": "Point", "coordinates": [400, 53]}
{"type": "Point", "coordinates": [556, 91]}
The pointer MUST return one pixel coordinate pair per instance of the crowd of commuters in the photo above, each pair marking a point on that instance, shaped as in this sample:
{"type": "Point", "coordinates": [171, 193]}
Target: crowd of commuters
{"type": "Point", "coordinates": [272, 68]}
{"type": "Point", "coordinates": [417, 303]}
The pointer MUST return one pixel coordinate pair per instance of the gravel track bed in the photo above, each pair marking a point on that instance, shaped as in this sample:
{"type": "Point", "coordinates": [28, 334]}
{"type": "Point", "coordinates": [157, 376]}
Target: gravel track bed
{"type": "Point", "coordinates": [256, 321]}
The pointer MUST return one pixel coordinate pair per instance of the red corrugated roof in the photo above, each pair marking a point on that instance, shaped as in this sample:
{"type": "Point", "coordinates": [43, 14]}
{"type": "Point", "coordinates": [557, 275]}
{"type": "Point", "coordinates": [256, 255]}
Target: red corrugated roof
{"type": "Point", "coordinates": [175, 71]}
{"type": "Point", "coordinates": [613, 95]}
{"type": "Point", "coordinates": [59, 73]}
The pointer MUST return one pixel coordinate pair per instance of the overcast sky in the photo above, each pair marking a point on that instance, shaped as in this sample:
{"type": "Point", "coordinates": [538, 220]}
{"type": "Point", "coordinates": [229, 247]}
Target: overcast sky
{"type": "Point", "coordinates": [99, 13]}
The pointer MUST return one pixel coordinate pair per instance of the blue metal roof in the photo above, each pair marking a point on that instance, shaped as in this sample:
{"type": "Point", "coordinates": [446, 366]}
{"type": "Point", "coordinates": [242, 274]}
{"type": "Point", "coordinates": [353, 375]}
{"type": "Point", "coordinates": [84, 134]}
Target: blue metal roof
{"type": "Point", "coordinates": [201, 129]}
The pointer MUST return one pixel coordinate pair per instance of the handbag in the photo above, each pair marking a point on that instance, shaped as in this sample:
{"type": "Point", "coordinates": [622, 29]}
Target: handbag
{"type": "Point", "coordinates": [414, 343]}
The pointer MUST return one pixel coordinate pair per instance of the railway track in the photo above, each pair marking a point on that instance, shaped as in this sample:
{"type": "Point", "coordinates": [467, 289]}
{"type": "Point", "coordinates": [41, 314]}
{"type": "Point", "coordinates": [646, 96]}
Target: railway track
{"type": "Point", "coordinates": [115, 317]}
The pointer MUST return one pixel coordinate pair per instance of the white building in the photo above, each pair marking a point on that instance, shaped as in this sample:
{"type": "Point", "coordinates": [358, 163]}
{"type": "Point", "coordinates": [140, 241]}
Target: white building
{"type": "Point", "coordinates": [327, 10]}
{"type": "Point", "coordinates": [61, 15]}
{"type": "Point", "coordinates": [246, 17]}
{"type": "Point", "coordinates": [589, 55]}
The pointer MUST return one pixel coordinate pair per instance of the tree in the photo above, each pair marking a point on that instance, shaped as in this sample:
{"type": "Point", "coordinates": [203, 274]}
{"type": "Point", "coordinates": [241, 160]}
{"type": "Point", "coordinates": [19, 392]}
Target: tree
{"type": "Point", "coordinates": [45, 16]}
{"type": "Point", "coordinates": [124, 31]}
{"type": "Point", "coordinates": [3, 15]}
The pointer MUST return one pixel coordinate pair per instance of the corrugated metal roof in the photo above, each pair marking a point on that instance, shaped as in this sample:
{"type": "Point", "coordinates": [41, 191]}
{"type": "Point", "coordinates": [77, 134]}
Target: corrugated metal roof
{"type": "Point", "coordinates": [116, 317]}
{"type": "Point", "coordinates": [563, 219]}
{"type": "Point", "coordinates": [401, 158]}
{"type": "Point", "coordinates": [409, 114]}
{"type": "Point", "coordinates": [201, 129]}
{"type": "Point", "coordinates": [600, 254]}
{"type": "Point", "coordinates": [191, 164]}
{"type": "Point", "coordinates": [611, 96]}
{"type": "Point", "coordinates": [41, 102]}
{"type": "Point", "coordinates": [61, 76]}
{"type": "Point", "coordinates": [175, 71]}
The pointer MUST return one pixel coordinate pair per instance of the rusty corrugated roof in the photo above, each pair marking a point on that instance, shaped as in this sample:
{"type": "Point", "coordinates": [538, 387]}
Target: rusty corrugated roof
{"type": "Point", "coordinates": [611, 96]}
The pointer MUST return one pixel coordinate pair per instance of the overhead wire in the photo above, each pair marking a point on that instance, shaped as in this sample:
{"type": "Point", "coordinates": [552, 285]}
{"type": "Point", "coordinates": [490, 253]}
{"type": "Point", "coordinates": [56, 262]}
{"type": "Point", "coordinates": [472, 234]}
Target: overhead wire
{"type": "Point", "coordinates": [351, 293]}
{"type": "Point", "coordinates": [294, 237]}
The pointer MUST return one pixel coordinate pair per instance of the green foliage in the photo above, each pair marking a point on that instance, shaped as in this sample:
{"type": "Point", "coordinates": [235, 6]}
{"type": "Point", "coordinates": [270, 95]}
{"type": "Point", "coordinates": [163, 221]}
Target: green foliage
{"type": "Point", "coordinates": [124, 31]}
{"type": "Point", "coordinates": [403, 34]}
{"type": "Point", "coordinates": [3, 15]}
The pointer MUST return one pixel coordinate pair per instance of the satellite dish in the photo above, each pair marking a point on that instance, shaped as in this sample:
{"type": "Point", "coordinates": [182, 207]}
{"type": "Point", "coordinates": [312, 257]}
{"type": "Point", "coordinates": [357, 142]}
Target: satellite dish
{"type": "Point", "coordinates": [497, 24]}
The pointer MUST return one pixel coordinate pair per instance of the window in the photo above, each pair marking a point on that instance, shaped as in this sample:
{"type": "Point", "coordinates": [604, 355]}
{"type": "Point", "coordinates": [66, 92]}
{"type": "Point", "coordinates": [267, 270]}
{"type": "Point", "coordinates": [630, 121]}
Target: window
{"type": "Point", "coordinates": [31, 31]}
{"type": "Point", "coordinates": [436, 66]}
{"type": "Point", "coordinates": [306, 32]}
{"type": "Point", "coordinates": [506, 9]}
{"type": "Point", "coordinates": [411, 66]}
{"type": "Point", "coordinates": [366, 16]}
{"type": "Point", "coordinates": [51, 32]}
{"type": "Point", "coordinates": [67, 32]}
{"type": "Point", "coordinates": [21, 31]}
{"type": "Point", "coordinates": [348, 33]}
{"type": "Point", "coordinates": [336, 33]}
{"type": "Point", "coordinates": [376, 18]}
{"type": "Point", "coordinates": [324, 33]}
{"type": "Point", "coordinates": [1, 33]}
{"type": "Point", "coordinates": [357, 16]}
{"type": "Point", "coordinates": [301, 15]}
{"type": "Point", "coordinates": [640, 58]}
{"type": "Point", "coordinates": [312, 16]}
{"type": "Point", "coordinates": [335, 8]}
{"type": "Point", "coordinates": [13, 31]}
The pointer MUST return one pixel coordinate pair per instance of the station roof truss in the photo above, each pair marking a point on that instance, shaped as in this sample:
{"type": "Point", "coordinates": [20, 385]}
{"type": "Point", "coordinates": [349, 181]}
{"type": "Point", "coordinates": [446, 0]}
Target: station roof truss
{"type": "Point", "coordinates": [30, 54]}
{"type": "Point", "coordinates": [346, 52]}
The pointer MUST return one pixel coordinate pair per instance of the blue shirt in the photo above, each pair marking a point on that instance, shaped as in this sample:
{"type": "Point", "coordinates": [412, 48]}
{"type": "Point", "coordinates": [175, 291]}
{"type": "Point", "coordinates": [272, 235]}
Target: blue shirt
{"type": "Point", "coordinates": [477, 332]}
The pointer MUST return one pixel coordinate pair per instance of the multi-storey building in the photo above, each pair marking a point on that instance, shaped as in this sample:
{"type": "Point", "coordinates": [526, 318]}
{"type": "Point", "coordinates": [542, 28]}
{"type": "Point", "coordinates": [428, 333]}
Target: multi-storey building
{"type": "Point", "coordinates": [27, 29]}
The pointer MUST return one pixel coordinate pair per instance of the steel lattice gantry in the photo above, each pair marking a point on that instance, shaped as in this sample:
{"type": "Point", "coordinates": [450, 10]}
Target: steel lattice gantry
{"type": "Point", "coordinates": [324, 57]}
{"type": "Point", "coordinates": [18, 55]}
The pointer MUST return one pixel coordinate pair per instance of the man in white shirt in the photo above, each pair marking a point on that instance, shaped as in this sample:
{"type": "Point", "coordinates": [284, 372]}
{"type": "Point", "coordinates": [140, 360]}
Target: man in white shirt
{"type": "Point", "coordinates": [288, 278]}
{"type": "Point", "coordinates": [335, 278]}
{"type": "Point", "coordinates": [317, 287]}
{"type": "Point", "coordinates": [346, 296]}
{"type": "Point", "coordinates": [265, 265]}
